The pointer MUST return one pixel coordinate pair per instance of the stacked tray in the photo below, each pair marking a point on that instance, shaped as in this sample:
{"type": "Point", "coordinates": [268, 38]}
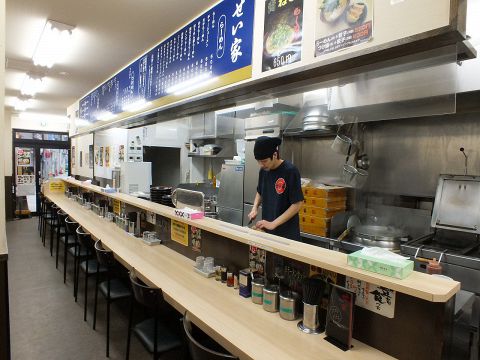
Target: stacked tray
{"type": "Point", "coordinates": [161, 195]}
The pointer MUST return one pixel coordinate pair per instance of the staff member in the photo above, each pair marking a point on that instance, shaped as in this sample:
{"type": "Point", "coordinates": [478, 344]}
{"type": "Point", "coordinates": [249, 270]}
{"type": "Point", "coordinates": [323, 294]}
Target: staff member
{"type": "Point", "coordinates": [279, 191]}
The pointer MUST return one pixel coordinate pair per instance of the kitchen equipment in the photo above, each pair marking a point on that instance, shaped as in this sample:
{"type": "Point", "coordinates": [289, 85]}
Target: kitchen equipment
{"type": "Point", "coordinates": [183, 198]}
{"type": "Point", "coordinates": [352, 221]}
{"type": "Point", "coordinates": [342, 145]}
{"type": "Point", "coordinates": [313, 290]}
{"type": "Point", "coordinates": [258, 283]}
{"type": "Point", "coordinates": [135, 176]}
{"type": "Point", "coordinates": [317, 122]}
{"type": "Point", "coordinates": [353, 176]}
{"type": "Point", "coordinates": [289, 305]}
{"type": "Point", "coordinates": [271, 298]}
{"type": "Point", "coordinates": [387, 237]}
{"type": "Point", "coordinates": [230, 194]}
{"type": "Point", "coordinates": [456, 228]}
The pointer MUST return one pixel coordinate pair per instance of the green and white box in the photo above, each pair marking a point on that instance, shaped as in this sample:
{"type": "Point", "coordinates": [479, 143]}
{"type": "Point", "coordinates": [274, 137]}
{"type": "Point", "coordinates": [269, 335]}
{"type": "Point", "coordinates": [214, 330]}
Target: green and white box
{"type": "Point", "coordinates": [393, 268]}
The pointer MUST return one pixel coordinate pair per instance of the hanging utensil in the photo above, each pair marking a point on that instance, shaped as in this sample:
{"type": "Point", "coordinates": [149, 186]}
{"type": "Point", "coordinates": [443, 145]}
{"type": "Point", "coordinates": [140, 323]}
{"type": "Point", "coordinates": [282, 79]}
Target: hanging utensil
{"type": "Point", "coordinates": [351, 223]}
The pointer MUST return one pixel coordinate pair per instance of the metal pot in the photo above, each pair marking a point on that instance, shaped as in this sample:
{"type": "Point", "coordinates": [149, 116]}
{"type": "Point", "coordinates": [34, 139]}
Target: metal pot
{"type": "Point", "coordinates": [387, 237]}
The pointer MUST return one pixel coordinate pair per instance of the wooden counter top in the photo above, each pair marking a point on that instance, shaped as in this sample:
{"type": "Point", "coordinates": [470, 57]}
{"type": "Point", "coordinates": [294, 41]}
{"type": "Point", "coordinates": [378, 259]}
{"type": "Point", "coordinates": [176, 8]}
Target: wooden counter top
{"type": "Point", "coordinates": [418, 284]}
{"type": "Point", "coordinates": [242, 327]}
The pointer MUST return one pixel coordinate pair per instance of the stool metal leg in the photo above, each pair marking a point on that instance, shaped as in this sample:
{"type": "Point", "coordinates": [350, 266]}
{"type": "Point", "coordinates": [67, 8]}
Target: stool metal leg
{"type": "Point", "coordinates": [85, 297]}
{"type": "Point", "coordinates": [97, 278]}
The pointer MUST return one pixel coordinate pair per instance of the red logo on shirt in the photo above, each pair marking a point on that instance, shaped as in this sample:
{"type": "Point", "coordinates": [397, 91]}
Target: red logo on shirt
{"type": "Point", "coordinates": [280, 186]}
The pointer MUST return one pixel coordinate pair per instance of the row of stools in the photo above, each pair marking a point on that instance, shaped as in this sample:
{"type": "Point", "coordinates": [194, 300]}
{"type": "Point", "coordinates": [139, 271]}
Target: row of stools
{"type": "Point", "coordinates": [160, 333]}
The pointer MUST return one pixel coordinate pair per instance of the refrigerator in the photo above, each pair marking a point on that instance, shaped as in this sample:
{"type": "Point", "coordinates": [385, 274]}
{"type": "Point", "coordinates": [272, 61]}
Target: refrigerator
{"type": "Point", "coordinates": [230, 194]}
{"type": "Point", "coordinates": [250, 183]}
{"type": "Point", "coordinates": [135, 177]}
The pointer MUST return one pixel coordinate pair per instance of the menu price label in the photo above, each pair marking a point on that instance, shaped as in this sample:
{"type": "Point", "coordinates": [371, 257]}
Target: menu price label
{"type": "Point", "coordinates": [116, 206]}
{"type": "Point", "coordinates": [342, 24]}
{"type": "Point", "coordinates": [211, 51]}
{"type": "Point", "coordinates": [179, 232]}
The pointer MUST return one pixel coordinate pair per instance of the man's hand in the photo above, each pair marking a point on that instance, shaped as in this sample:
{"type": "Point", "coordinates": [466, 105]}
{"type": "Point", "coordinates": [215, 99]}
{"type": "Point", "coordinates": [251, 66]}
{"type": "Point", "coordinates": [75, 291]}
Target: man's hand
{"type": "Point", "coordinates": [253, 214]}
{"type": "Point", "coordinates": [264, 224]}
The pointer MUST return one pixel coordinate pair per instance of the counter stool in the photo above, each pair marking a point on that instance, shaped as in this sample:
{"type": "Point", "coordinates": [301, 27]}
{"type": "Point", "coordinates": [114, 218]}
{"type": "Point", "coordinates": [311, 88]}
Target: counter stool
{"type": "Point", "coordinates": [62, 216]}
{"type": "Point", "coordinates": [88, 266]}
{"type": "Point", "coordinates": [154, 335]}
{"type": "Point", "coordinates": [40, 212]}
{"type": "Point", "coordinates": [200, 345]}
{"type": "Point", "coordinates": [70, 242]}
{"type": "Point", "coordinates": [55, 226]}
{"type": "Point", "coordinates": [112, 289]}
{"type": "Point", "coordinates": [47, 218]}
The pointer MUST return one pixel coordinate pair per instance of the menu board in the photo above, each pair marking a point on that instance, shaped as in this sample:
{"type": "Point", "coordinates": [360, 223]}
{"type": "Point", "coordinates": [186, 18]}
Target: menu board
{"type": "Point", "coordinates": [212, 51]}
{"type": "Point", "coordinates": [282, 33]}
{"type": "Point", "coordinates": [342, 24]}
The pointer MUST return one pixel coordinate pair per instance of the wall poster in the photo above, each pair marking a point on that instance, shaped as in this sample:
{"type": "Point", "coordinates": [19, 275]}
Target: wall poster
{"type": "Point", "coordinates": [100, 161]}
{"type": "Point", "coordinates": [73, 156]}
{"type": "Point", "coordinates": [282, 33]}
{"type": "Point", "coordinates": [90, 156]}
{"type": "Point", "coordinates": [97, 155]}
{"type": "Point", "coordinates": [121, 153]}
{"type": "Point", "coordinates": [378, 299]}
{"type": "Point", "coordinates": [107, 156]}
{"type": "Point", "coordinates": [341, 24]}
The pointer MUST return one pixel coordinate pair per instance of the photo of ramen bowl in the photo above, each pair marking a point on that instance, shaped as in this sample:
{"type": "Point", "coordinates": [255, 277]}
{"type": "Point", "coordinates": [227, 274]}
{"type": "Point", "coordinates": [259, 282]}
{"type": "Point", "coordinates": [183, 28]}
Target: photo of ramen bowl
{"type": "Point", "coordinates": [356, 13]}
{"type": "Point", "coordinates": [279, 39]}
{"type": "Point", "coordinates": [332, 10]}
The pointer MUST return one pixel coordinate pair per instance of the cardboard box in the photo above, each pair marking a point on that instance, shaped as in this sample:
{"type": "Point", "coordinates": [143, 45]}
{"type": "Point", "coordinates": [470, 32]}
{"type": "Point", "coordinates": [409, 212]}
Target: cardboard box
{"type": "Point", "coordinates": [325, 191]}
{"type": "Point", "coordinates": [399, 270]}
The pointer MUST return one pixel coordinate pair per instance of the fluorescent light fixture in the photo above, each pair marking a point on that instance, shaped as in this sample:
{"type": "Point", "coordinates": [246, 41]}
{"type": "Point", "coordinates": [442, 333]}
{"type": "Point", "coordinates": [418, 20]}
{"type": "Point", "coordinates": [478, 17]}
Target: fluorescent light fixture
{"type": "Point", "coordinates": [191, 84]}
{"type": "Point", "coordinates": [137, 105]}
{"type": "Point", "coordinates": [31, 85]}
{"type": "Point", "coordinates": [105, 116]}
{"type": "Point", "coordinates": [21, 104]}
{"type": "Point", "coordinates": [53, 43]}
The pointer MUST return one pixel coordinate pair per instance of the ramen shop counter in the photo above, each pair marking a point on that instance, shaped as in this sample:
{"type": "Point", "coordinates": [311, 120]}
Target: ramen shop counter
{"type": "Point", "coordinates": [242, 327]}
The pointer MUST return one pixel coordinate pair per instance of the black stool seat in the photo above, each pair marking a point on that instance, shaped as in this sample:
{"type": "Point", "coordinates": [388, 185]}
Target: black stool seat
{"type": "Point", "coordinates": [77, 251]}
{"type": "Point", "coordinates": [92, 267]}
{"type": "Point", "coordinates": [118, 290]}
{"type": "Point", "coordinates": [166, 338]}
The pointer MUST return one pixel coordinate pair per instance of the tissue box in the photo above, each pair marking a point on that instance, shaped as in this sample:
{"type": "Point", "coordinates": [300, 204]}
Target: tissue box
{"type": "Point", "coordinates": [189, 214]}
{"type": "Point", "coordinates": [396, 269]}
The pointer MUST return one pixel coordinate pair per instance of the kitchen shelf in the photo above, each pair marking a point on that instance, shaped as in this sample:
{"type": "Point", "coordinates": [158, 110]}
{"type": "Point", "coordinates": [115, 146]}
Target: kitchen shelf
{"type": "Point", "coordinates": [210, 156]}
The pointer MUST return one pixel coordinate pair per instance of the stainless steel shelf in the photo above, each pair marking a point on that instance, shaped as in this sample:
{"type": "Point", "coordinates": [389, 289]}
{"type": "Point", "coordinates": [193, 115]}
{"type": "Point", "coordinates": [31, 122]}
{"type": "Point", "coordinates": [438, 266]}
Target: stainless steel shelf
{"type": "Point", "coordinates": [209, 156]}
{"type": "Point", "coordinates": [331, 243]}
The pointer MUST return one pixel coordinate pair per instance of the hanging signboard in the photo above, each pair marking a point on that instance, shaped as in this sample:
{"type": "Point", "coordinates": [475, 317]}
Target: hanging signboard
{"type": "Point", "coordinates": [342, 24]}
{"type": "Point", "coordinates": [282, 33]}
{"type": "Point", "coordinates": [213, 50]}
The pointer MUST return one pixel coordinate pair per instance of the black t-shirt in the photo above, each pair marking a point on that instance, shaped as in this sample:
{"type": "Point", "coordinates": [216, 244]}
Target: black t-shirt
{"type": "Point", "coordinates": [279, 189]}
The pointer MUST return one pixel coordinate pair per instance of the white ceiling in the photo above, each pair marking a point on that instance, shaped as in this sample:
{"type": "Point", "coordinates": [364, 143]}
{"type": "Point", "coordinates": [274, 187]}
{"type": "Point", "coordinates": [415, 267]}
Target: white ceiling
{"type": "Point", "coordinates": [108, 35]}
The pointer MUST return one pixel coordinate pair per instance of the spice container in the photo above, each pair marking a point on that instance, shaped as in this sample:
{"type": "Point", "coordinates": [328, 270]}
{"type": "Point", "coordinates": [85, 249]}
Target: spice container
{"type": "Point", "coordinates": [258, 284]}
{"type": "Point", "coordinates": [270, 298]}
{"type": "Point", "coordinates": [218, 273]}
{"type": "Point", "coordinates": [230, 280]}
{"type": "Point", "coordinates": [245, 283]}
{"type": "Point", "coordinates": [223, 271]}
{"type": "Point", "coordinates": [289, 305]}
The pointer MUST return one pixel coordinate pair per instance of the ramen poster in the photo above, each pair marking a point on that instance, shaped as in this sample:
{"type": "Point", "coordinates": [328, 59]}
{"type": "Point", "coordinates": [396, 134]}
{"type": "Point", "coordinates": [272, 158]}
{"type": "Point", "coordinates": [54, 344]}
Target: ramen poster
{"type": "Point", "coordinates": [282, 33]}
{"type": "Point", "coordinates": [342, 23]}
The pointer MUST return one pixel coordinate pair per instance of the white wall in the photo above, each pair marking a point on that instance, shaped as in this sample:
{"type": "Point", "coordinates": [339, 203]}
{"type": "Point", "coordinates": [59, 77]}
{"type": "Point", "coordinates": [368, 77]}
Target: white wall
{"type": "Point", "coordinates": [112, 139]}
{"type": "Point", "coordinates": [40, 122]}
{"type": "Point", "coordinates": [7, 141]}
{"type": "Point", "coordinates": [81, 144]}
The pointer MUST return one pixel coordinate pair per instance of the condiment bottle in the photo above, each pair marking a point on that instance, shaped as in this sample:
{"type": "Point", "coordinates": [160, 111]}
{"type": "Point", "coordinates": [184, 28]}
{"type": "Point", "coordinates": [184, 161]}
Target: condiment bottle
{"type": "Point", "coordinates": [223, 271]}
{"type": "Point", "coordinates": [230, 281]}
{"type": "Point", "coordinates": [434, 267]}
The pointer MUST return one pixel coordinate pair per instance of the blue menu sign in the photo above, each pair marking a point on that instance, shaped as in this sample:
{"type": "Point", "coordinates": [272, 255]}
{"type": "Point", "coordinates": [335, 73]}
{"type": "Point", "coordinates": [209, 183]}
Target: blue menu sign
{"type": "Point", "coordinates": [212, 51]}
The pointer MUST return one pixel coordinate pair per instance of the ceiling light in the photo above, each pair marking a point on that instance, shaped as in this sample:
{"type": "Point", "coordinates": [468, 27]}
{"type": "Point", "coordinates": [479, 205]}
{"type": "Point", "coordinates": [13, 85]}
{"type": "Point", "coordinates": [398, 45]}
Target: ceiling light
{"type": "Point", "coordinates": [53, 43]}
{"type": "Point", "coordinates": [105, 116]}
{"type": "Point", "coordinates": [21, 104]}
{"type": "Point", "coordinates": [31, 85]}
{"type": "Point", "coordinates": [196, 86]}
{"type": "Point", "coordinates": [137, 105]}
{"type": "Point", "coordinates": [191, 84]}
